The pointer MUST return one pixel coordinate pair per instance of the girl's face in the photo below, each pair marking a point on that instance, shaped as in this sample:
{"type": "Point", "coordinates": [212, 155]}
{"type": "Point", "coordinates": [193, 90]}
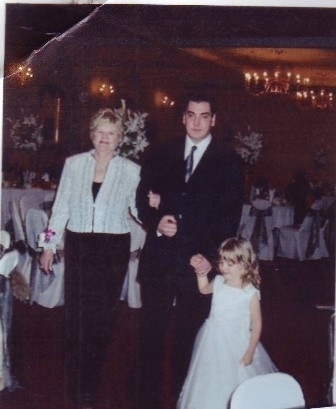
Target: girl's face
{"type": "Point", "coordinates": [106, 137]}
{"type": "Point", "coordinates": [232, 272]}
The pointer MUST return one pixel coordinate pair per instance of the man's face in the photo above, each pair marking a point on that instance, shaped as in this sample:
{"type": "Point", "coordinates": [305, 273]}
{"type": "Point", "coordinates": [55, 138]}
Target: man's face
{"type": "Point", "coordinates": [198, 120]}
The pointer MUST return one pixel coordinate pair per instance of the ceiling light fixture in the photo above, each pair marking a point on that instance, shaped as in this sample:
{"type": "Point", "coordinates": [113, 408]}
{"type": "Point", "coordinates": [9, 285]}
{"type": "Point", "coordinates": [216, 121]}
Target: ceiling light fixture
{"type": "Point", "coordinates": [295, 86]}
{"type": "Point", "coordinates": [279, 81]}
{"type": "Point", "coordinates": [24, 74]}
{"type": "Point", "coordinates": [106, 89]}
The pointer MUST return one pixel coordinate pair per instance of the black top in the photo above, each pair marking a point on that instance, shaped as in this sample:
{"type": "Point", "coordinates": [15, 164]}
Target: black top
{"type": "Point", "coordinates": [95, 189]}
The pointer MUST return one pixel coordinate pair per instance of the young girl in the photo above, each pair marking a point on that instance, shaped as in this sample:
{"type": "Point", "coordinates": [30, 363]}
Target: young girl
{"type": "Point", "coordinates": [227, 349]}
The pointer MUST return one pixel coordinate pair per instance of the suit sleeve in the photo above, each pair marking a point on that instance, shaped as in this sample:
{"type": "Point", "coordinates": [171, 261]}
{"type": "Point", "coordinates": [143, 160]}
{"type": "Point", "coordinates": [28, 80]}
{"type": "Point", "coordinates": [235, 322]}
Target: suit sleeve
{"type": "Point", "coordinates": [149, 180]}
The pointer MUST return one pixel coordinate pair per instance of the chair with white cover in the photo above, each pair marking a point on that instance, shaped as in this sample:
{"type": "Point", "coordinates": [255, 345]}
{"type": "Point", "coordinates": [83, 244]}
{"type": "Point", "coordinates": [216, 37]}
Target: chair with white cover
{"type": "Point", "coordinates": [19, 239]}
{"type": "Point", "coordinates": [48, 202]}
{"type": "Point", "coordinates": [306, 241]}
{"type": "Point", "coordinates": [46, 289]}
{"type": "Point", "coordinates": [258, 228]}
{"type": "Point", "coordinates": [28, 201]}
{"type": "Point", "coordinates": [131, 288]}
{"type": "Point", "coordinates": [271, 391]}
{"type": "Point", "coordinates": [8, 263]}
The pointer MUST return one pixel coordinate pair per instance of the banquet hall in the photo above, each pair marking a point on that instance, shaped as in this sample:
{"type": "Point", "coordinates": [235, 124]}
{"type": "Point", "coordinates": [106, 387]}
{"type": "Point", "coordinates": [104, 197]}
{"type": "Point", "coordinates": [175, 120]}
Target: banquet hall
{"type": "Point", "coordinates": [272, 71]}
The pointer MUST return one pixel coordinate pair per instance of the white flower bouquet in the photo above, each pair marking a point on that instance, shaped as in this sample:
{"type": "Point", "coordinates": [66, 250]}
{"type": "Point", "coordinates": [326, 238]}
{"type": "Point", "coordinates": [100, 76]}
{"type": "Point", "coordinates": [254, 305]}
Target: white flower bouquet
{"type": "Point", "coordinates": [249, 146]}
{"type": "Point", "coordinates": [25, 131]}
{"type": "Point", "coordinates": [135, 140]}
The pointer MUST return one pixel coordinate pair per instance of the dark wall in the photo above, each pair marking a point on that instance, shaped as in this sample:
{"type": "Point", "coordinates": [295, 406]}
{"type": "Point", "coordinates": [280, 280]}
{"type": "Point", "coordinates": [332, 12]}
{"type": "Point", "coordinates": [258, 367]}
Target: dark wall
{"type": "Point", "coordinates": [291, 134]}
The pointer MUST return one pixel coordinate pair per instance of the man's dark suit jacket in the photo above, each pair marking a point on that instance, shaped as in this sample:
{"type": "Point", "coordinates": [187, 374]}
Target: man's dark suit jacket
{"type": "Point", "coordinates": [207, 209]}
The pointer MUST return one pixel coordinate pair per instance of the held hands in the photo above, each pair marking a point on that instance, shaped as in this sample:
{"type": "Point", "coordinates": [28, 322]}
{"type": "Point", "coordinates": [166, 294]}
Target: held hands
{"type": "Point", "coordinates": [154, 199]}
{"type": "Point", "coordinates": [46, 261]}
{"type": "Point", "coordinates": [167, 226]}
{"type": "Point", "coordinates": [201, 265]}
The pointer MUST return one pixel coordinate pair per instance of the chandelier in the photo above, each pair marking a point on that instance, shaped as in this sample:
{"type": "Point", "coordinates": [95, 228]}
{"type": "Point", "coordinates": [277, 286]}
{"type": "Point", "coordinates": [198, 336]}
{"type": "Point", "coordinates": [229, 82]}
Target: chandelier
{"type": "Point", "coordinates": [294, 86]}
{"type": "Point", "coordinates": [22, 73]}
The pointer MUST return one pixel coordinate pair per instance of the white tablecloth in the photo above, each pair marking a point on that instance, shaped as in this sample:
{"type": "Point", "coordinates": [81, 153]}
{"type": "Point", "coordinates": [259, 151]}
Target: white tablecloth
{"type": "Point", "coordinates": [15, 194]}
{"type": "Point", "coordinates": [281, 215]}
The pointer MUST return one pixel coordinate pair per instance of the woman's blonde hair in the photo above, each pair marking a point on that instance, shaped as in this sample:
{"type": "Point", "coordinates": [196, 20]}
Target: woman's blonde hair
{"type": "Point", "coordinates": [238, 250]}
{"type": "Point", "coordinates": [106, 115]}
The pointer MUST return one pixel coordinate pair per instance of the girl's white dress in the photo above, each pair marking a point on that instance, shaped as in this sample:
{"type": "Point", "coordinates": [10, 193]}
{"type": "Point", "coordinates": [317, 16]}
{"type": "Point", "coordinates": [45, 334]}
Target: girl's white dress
{"type": "Point", "coordinates": [215, 369]}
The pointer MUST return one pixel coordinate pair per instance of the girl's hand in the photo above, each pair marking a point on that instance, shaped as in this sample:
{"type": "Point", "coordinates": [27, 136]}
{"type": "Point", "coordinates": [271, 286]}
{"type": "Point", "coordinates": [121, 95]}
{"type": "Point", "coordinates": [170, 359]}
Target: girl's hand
{"type": "Point", "coordinates": [154, 199]}
{"type": "Point", "coordinates": [247, 359]}
{"type": "Point", "coordinates": [200, 264]}
{"type": "Point", "coordinates": [46, 261]}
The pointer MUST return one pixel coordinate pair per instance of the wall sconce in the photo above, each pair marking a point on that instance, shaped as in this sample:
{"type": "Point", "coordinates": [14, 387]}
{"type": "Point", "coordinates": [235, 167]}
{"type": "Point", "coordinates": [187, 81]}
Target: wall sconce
{"type": "Point", "coordinates": [106, 90]}
{"type": "Point", "coordinates": [167, 102]}
{"type": "Point", "coordinates": [162, 100]}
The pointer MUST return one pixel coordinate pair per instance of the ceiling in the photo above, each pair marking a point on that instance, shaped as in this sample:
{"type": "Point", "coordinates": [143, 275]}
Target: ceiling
{"type": "Point", "coordinates": [243, 38]}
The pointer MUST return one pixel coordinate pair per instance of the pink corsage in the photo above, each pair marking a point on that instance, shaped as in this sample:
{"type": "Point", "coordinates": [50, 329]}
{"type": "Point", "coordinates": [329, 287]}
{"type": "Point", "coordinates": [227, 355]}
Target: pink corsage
{"type": "Point", "coordinates": [46, 236]}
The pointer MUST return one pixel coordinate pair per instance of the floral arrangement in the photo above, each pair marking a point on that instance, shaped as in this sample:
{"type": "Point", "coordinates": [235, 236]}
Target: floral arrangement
{"type": "Point", "coordinates": [25, 131]}
{"type": "Point", "coordinates": [249, 146]}
{"type": "Point", "coordinates": [135, 140]}
{"type": "Point", "coordinates": [320, 158]}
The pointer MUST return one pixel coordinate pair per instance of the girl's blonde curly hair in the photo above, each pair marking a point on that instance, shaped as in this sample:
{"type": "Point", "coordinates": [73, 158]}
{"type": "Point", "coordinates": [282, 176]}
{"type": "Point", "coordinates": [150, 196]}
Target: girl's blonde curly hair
{"type": "Point", "coordinates": [238, 250]}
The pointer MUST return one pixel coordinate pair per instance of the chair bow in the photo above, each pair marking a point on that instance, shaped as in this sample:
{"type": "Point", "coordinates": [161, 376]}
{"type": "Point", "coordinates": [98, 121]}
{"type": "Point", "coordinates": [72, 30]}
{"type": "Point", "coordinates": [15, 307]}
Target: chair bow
{"type": "Point", "coordinates": [314, 232]}
{"type": "Point", "coordinates": [259, 233]}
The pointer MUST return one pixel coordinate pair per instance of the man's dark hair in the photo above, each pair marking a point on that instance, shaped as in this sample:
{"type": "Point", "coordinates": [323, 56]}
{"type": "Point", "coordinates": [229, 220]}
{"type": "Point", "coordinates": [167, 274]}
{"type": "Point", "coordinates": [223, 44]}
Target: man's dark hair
{"type": "Point", "coordinates": [200, 96]}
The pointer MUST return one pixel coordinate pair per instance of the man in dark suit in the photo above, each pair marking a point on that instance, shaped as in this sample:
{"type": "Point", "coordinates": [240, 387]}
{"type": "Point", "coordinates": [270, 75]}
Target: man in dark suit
{"type": "Point", "coordinates": [198, 208]}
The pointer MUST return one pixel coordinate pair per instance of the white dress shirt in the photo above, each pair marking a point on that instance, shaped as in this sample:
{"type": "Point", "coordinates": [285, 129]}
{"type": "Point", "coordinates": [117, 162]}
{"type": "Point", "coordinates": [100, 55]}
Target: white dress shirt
{"type": "Point", "coordinates": [201, 148]}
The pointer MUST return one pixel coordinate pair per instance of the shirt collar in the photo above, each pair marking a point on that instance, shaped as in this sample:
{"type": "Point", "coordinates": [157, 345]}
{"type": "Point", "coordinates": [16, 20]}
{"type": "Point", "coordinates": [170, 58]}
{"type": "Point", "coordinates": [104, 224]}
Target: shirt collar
{"type": "Point", "coordinates": [201, 146]}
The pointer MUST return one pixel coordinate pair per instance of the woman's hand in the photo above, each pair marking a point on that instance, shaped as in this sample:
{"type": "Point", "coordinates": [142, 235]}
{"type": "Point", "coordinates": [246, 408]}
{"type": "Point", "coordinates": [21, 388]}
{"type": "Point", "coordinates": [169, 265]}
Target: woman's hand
{"type": "Point", "coordinates": [46, 261]}
{"type": "Point", "coordinates": [154, 199]}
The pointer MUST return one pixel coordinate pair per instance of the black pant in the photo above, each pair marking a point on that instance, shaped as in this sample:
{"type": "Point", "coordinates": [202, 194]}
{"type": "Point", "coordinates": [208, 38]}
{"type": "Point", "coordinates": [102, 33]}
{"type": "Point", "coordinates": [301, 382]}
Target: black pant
{"type": "Point", "coordinates": [95, 267]}
{"type": "Point", "coordinates": [191, 309]}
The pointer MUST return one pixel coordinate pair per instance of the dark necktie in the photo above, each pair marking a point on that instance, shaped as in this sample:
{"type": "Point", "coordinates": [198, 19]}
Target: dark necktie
{"type": "Point", "coordinates": [190, 163]}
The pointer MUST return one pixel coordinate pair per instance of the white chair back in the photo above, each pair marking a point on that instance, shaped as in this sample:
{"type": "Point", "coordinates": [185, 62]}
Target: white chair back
{"type": "Point", "coordinates": [8, 262]}
{"type": "Point", "coordinates": [4, 239]}
{"type": "Point", "coordinates": [271, 391]}
{"type": "Point", "coordinates": [307, 223]}
{"type": "Point", "coordinates": [14, 212]}
{"type": "Point", "coordinates": [261, 204]}
{"type": "Point", "coordinates": [28, 201]}
{"type": "Point", "coordinates": [46, 290]}
{"type": "Point", "coordinates": [25, 259]}
{"type": "Point", "coordinates": [258, 229]}
{"type": "Point", "coordinates": [36, 222]}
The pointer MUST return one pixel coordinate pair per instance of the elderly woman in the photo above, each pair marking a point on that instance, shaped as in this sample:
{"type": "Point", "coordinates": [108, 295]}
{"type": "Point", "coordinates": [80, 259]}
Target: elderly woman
{"type": "Point", "coordinates": [96, 191]}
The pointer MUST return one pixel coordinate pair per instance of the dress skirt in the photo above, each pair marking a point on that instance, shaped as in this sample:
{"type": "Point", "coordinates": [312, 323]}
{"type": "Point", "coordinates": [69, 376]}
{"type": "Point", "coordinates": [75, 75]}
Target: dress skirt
{"type": "Point", "coordinates": [95, 268]}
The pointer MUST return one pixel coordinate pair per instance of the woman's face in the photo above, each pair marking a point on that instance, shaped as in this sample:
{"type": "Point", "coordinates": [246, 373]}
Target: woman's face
{"type": "Point", "coordinates": [106, 137]}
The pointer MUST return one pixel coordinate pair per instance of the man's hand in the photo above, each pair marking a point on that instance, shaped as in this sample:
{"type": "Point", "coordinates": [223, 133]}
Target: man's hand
{"type": "Point", "coordinates": [201, 264]}
{"type": "Point", "coordinates": [154, 199]}
{"type": "Point", "coordinates": [167, 226]}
